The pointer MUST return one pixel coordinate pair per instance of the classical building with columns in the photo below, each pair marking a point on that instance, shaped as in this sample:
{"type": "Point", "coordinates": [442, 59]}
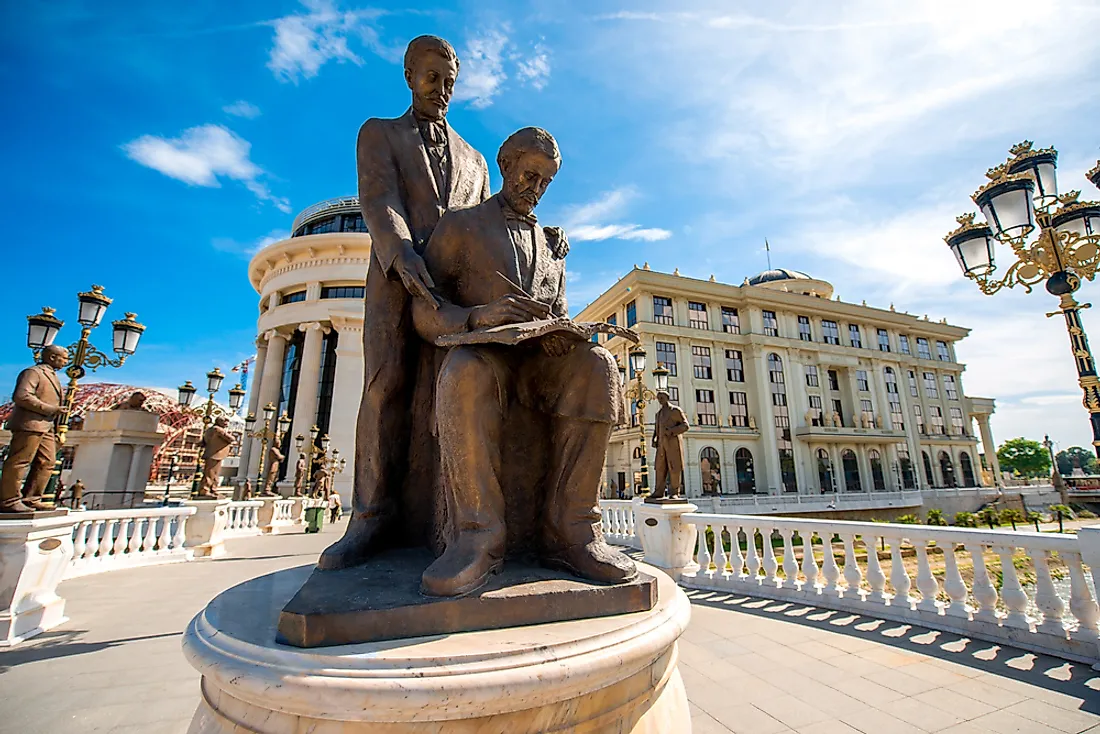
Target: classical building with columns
{"type": "Point", "coordinates": [792, 393]}
{"type": "Point", "coordinates": [309, 352]}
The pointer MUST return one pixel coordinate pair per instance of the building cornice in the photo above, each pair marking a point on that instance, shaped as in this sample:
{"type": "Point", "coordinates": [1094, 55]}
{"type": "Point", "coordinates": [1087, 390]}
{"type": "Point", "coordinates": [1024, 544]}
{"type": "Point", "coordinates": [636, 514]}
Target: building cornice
{"type": "Point", "coordinates": [315, 250]}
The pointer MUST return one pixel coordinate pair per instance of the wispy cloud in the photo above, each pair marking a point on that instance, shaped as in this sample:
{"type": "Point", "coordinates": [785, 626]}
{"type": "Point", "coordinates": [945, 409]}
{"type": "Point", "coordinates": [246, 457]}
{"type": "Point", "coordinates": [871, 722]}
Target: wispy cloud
{"type": "Point", "coordinates": [304, 42]}
{"type": "Point", "coordinates": [247, 249]}
{"type": "Point", "coordinates": [587, 222]}
{"type": "Point", "coordinates": [489, 58]}
{"type": "Point", "coordinates": [201, 156]}
{"type": "Point", "coordinates": [535, 69]}
{"type": "Point", "coordinates": [242, 108]}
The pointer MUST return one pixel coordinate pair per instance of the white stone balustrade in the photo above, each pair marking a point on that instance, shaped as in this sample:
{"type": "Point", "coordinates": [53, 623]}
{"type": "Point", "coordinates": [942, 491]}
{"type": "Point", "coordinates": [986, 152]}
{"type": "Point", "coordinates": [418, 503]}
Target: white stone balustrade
{"type": "Point", "coordinates": [617, 517]}
{"type": "Point", "coordinates": [243, 518]}
{"type": "Point", "coordinates": [107, 540]}
{"type": "Point", "coordinates": [277, 515]}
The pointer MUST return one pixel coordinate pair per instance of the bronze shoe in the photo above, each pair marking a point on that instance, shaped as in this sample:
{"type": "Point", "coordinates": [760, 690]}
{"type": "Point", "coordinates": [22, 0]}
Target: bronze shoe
{"type": "Point", "coordinates": [16, 506]}
{"type": "Point", "coordinates": [594, 561]}
{"type": "Point", "coordinates": [462, 569]}
{"type": "Point", "coordinates": [359, 543]}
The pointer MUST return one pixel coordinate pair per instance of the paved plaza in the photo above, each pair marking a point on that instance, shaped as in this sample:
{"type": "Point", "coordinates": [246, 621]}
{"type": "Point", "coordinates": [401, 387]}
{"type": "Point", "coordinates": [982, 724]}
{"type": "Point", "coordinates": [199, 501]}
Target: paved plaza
{"type": "Point", "coordinates": [750, 665]}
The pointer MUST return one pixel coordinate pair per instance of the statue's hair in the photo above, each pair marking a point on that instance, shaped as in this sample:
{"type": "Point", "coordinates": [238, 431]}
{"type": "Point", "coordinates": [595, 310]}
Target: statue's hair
{"type": "Point", "coordinates": [424, 44]}
{"type": "Point", "coordinates": [665, 393]}
{"type": "Point", "coordinates": [526, 139]}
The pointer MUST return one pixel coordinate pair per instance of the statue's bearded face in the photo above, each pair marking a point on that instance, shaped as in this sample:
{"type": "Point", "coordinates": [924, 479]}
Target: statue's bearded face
{"type": "Point", "coordinates": [527, 178]}
{"type": "Point", "coordinates": [432, 81]}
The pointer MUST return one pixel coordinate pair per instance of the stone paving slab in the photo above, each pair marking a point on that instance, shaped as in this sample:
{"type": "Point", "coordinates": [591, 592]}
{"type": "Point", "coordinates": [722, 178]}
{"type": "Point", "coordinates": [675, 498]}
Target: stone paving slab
{"type": "Point", "coordinates": [750, 665]}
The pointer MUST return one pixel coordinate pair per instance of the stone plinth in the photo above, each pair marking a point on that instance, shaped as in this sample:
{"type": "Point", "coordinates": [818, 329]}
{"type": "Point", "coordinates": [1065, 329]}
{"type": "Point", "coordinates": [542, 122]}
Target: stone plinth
{"type": "Point", "coordinates": [276, 515]}
{"type": "Point", "coordinates": [609, 674]}
{"type": "Point", "coordinates": [114, 453]}
{"type": "Point", "coordinates": [35, 550]}
{"type": "Point", "coordinates": [668, 543]}
{"type": "Point", "coordinates": [206, 528]}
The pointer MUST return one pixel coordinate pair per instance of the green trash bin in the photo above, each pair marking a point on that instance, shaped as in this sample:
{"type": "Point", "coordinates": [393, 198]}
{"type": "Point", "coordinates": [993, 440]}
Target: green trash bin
{"type": "Point", "coordinates": [315, 518]}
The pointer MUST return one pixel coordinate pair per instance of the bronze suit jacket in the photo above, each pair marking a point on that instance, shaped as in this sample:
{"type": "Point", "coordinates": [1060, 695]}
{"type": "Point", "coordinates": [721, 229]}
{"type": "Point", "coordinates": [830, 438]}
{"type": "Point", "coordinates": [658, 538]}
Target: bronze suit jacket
{"type": "Point", "coordinates": [217, 443]}
{"type": "Point", "coordinates": [36, 390]}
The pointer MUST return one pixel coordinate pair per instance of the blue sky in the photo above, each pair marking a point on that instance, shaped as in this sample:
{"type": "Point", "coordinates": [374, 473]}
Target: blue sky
{"type": "Point", "coordinates": [151, 147]}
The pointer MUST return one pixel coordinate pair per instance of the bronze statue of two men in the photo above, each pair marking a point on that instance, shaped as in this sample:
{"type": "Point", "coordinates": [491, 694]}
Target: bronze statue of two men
{"type": "Point", "coordinates": [482, 450]}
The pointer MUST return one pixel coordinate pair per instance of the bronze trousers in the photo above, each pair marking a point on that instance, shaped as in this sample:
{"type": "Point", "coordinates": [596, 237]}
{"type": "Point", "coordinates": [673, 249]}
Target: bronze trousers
{"type": "Point", "coordinates": [668, 467]}
{"type": "Point", "coordinates": [31, 459]}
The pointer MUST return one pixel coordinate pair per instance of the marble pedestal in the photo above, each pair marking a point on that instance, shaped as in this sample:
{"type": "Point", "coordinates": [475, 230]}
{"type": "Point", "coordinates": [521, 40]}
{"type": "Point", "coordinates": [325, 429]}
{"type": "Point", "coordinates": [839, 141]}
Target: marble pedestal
{"type": "Point", "coordinates": [35, 551]}
{"type": "Point", "coordinates": [609, 674]}
{"type": "Point", "coordinates": [206, 528]}
{"type": "Point", "coordinates": [668, 542]}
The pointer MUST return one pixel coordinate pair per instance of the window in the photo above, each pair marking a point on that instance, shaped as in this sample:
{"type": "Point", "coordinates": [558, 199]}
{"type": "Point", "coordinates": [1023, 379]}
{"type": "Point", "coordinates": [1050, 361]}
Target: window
{"type": "Point", "coordinates": [68, 456]}
{"type": "Point", "coordinates": [908, 479]}
{"type": "Point", "coordinates": [731, 323]}
{"type": "Point", "coordinates": [967, 469]}
{"type": "Point", "coordinates": [878, 478]}
{"type": "Point", "coordinates": [342, 291]}
{"type": "Point", "coordinates": [326, 381]}
{"type": "Point", "coordinates": [903, 342]}
{"type": "Point", "coordinates": [804, 332]}
{"type": "Point", "coordinates": [735, 367]}
{"type": "Point", "coordinates": [883, 340]}
{"type": "Point", "coordinates": [956, 421]}
{"type": "Point", "coordinates": [930, 389]}
{"type": "Point", "coordinates": [922, 348]}
{"type": "Point", "coordinates": [611, 319]}
{"type": "Point", "coordinates": [631, 313]}
{"type": "Point", "coordinates": [928, 476]}
{"type": "Point", "coordinates": [947, 470]}
{"type": "Point", "coordinates": [710, 469]}
{"type": "Point", "coordinates": [816, 417]}
{"type": "Point", "coordinates": [662, 310]}
{"type": "Point", "coordinates": [782, 423]}
{"type": "Point", "coordinates": [942, 353]}
{"type": "Point", "coordinates": [633, 412]}
{"type": "Point", "coordinates": [829, 332]}
{"type": "Point", "coordinates": [834, 381]}
{"type": "Point", "coordinates": [697, 315]}
{"type": "Point", "coordinates": [913, 390]}
{"type": "Point", "coordinates": [825, 471]}
{"type": "Point", "coordinates": [852, 482]}
{"type": "Point", "coordinates": [746, 478]}
{"type": "Point", "coordinates": [595, 338]}
{"type": "Point", "coordinates": [949, 388]}
{"type": "Point", "coordinates": [866, 413]}
{"type": "Point", "coordinates": [935, 420]}
{"type": "Point", "coordinates": [771, 324]}
{"type": "Point", "coordinates": [918, 419]}
{"type": "Point", "coordinates": [811, 376]}
{"type": "Point", "coordinates": [674, 394]}
{"type": "Point", "coordinates": [838, 408]}
{"type": "Point", "coordinates": [861, 381]}
{"type": "Point", "coordinates": [295, 297]}
{"type": "Point", "coordinates": [704, 405]}
{"type": "Point", "coordinates": [897, 420]}
{"type": "Point", "coordinates": [352, 223]}
{"type": "Point", "coordinates": [700, 363]}
{"type": "Point", "coordinates": [853, 336]}
{"type": "Point", "coordinates": [739, 409]}
{"type": "Point", "coordinates": [666, 357]}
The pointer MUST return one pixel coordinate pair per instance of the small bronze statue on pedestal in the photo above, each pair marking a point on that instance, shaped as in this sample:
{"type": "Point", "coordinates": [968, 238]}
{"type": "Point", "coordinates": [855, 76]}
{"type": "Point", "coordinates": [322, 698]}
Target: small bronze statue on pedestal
{"type": "Point", "coordinates": [301, 469]}
{"type": "Point", "coordinates": [274, 461]}
{"type": "Point", "coordinates": [216, 442]}
{"type": "Point", "coordinates": [669, 426]}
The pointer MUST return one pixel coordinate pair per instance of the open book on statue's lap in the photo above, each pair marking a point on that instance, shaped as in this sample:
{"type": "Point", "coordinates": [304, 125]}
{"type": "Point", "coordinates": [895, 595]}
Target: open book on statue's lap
{"type": "Point", "coordinates": [511, 334]}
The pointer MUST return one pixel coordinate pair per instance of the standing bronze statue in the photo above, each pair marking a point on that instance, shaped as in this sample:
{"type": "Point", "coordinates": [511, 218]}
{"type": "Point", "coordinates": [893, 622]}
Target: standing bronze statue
{"type": "Point", "coordinates": [492, 266]}
{"type": "Point", "coordinates": [274, 461]}
{"type": "Point", "coordinates": [301, 471]}
{"type": "Point", "coordinates": [33, 449]}
{"type": "Point", "coordinates": [668, 430]}
{"type": "Point", "coordinates": [78, 495]}
{"type": "Point", "coordinates": [217, 442]}
{"type": "Point", "coordinates": [320, 484]}
{"type": "Point", "coordinates": [411, 169]}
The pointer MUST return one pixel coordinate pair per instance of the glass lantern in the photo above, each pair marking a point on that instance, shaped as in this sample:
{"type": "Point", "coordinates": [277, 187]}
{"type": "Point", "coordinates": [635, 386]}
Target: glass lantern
{"type": "Point", "coordinates": [42, 328]}
{"type": "Point", "coordinates": [269, 412]}
{"type": "Point", "coordinates": [127, 332]}
{"type": "Point", "coordinates": [186, 394]}
{"type": "Point", "coordinates": [1082, 218]}
{"type": "Point", "coordinates": [236, 397]}
{"type": "Point", "coordinates": [1008, 206]}
{"type": "Point", "coordinates": [214, 380]}
{"type": "Point", "coordinates": [972, 245]}
{"type": "Point", "coordinates": [250, 422]}
{"type": "Point", "coordinates": [637, 360]}
{"type": "Point", "coordinates": [93, 305]}
{"type": "Point", "coordinates": [325, 440]}
{"type": "Point", "coordinates": [1040, 165]}
{"type": "Point", "coordinates": [660, 377]}
{"type": "Point", "coordinates": [284, 423]}
{"type": "Point", "coordinates": [299, 440]}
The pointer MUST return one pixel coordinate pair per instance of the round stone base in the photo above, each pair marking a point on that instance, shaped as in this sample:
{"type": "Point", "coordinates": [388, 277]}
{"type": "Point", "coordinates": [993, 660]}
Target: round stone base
{"type": "Point", "coordinates": [608, 674]}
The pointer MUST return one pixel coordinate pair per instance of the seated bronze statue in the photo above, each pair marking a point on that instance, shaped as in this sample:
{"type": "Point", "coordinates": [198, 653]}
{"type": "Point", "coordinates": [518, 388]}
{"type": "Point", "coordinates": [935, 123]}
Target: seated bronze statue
{"type": "Point", "coordinates": [492, 266]}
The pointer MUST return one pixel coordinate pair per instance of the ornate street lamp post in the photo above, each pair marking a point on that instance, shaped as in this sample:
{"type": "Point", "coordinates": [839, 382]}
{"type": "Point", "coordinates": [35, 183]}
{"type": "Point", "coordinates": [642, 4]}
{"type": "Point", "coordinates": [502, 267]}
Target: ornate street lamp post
{"type": "Point", "coordinates": [187, 394]}
{"type": "Point", "coordinates": [265, 434]}
{"type": "Point", "coordinates": [319, 455]}
{"type": "Point", "coordinates": [638, 392]}
{"type": "Point", "coordinates": [1022, 192]}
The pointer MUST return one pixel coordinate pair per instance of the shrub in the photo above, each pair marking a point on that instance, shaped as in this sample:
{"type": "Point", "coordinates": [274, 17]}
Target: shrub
{"type": "Point", "coordinates": [935, 517]}
{"type": "Point", "coordinates": [1012, 516]}
{"type": "Point", "coordinates": [966, 520]}
{"type": "Point", "coordinates": [908, 519]}
{"type": "Point", "coordinates": [990, 517]}
{"type": "Point", "coordinates": [1036, 518]}
{"type": "Point", "coordinates": [1086, 515]}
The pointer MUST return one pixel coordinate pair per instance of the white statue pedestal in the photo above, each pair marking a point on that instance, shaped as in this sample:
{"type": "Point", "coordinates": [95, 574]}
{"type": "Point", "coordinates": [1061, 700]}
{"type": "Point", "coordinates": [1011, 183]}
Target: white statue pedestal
{"type": "Point", "coordinates": [206, 528]}
{"type": "Point", "coordinates": [668, 542]}
{"type": "Point", "coordinates": [608, 674]}
{"type": "Point", "coordinates": [34, 553]}
{"type": "Point", "coordinates": [276, 515]}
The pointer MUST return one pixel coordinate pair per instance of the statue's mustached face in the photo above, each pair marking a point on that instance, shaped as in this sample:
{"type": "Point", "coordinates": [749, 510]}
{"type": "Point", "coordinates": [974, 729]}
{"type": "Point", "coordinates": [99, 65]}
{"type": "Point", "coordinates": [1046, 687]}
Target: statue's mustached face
{"type": "Point", "coordinates": [527, 179]}
{"type": "Point", "coordinates": [432, 81]}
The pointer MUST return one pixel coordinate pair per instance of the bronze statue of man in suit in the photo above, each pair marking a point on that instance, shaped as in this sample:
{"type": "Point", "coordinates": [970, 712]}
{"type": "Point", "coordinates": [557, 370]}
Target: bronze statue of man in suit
{"type": "Point", "coordinates": [33, 451]}
{"type": "Point", "coordinates": [217, 441]}
{"type": "Point", "coordinates": [575, 383]}
{"type": "Point", "coordinates": [668, 429]}
{"type": "Point", "coordinates": [411, 169]}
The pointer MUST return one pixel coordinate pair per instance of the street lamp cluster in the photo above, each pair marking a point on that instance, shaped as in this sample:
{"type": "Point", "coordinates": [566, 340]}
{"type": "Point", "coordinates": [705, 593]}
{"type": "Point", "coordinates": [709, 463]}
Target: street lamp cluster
{"type": "Point", "coordinates": [266, 434]}
{"type": "Point", "coordinates": [319, 455]}
{"type": "Point", "coordinates": [1053, 238]}
{"type": "Point", "coordinates": [640, 394]}
{"type": "Point", "coordinates": [187, 394]}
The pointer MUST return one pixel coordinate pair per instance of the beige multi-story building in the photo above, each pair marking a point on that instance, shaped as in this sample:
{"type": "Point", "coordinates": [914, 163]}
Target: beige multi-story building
{"type": "Point", "coordinates": [793, 394]}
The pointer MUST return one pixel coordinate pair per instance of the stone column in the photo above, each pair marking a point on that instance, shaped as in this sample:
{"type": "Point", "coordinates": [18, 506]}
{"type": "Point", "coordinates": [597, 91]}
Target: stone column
{"type": "Point", "coordinates": [768, 475]}
{"type": "Point", "coordinates": [133, 480]}
{"type": "Point", "coordinates": [305, 401]}
{"type": "Point", "coordinates": [253, 406]}
{"type": "Point", "coordinates": [347, 391]}
{"type": "Point", "coordinates": [270, 382]}
{"type": "Point", "coordinates": [990, 449]}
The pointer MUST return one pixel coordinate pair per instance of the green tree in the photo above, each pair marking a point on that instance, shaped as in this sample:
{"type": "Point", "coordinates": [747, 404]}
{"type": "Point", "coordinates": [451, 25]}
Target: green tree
{"type": "Point", "coordinates": [1036, 518]}
{"type": "Point", "coordinates": [990, 517]}
{"type": "Point", "coordinates": [965, 520]}
{"type": "Point", "coordinates": [935, 517]}
{"type": "Point", "coordinates": [1025, 456]}
{"type": "Point", "coordinates": [1073, 457]}
{"type": "Point", "coordinates": [1061, 512]}
{"type": "Point", "coordinates": [1013, 516]}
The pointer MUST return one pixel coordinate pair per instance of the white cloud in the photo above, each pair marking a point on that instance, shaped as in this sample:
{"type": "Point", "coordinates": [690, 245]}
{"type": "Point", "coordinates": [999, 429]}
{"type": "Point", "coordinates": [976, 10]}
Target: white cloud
{"type": "Point", "coordinates": [305, 42]}
{"type": "Point", "coordinates": [584, 222]}
{"type": "Point", "coordinates": [201, 156]}
{"type": "Point", "coordinates": [534, 70]}
{"type": "Point", "coordinates": [242, 108]}
{"type": "Point", "coordinates": [248, 249]}
{"type": "Point", "coordinates": [482, 69]}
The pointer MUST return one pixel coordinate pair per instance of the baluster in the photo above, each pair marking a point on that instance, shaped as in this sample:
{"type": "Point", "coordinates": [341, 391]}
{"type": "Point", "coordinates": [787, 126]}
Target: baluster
{"type": "Point", "coordinates": [1046, 598]}
{"type": "Point", "coordinates": [703, 553]}
{"type": "Point", "coordinates": [752, 556]}
{"type": "Point", "coordinates": [1081, 603]}
{"type": "Point", "coordinates": [829, 569]}
{"type": "Point", "coordinates": [80, 539]}
{"type": "Point", "coordinates": [737, 558]}
{"type": "Point", "coordinates": [629, 513]}
{"type": "Point", "coordinates": [619, 522]}
{"type": "Point", "coordinates": [107, 540]}
{"type": "Point", "coordinates": [150, 539]}
{"type": "Point", "coordinates": [809, 563]}
{"type": "Point", "coordinates": [790, 565]}
{"type": "Point", "coordinates": [876, 579]}
{"type": "Point", "coordinates": [1012, 593]}
{"type": "Point", "coordinates": [926, 582]}
{"type": "Point", "coordinates": [124, 525]}
{"type": "Point", "coordinates": [984, 592]}
{"type": "Point", "coordinates": [164, 542]}
{"type": "Point", "coordinates": [136, 533]}
{"type": "Point", "coordinates": [899, 577]}
{"type": "Point", "coordinates": [180, 537]}
{"type": "Point", "coordinates": [605, 519]}
{"type": "Point", "coordinates": [852, 575]}
{"type": "Point", "coordinates": [253, 517]}
{"type": "Point", "coordinates": [771, 565]}
{"type": "Point", "coordinates": [953, 584]}
{"type": "Point", "coordinates": [719, 552]}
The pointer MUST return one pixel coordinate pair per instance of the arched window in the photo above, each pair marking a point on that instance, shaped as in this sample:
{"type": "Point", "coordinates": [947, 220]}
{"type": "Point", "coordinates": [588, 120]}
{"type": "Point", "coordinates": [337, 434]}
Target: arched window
{"type": "Point", "coordinates": [746, 476]}
{"type": "Point", "coordinates": [967, 470]}
{"type": "Point", "coordinates": [711, 471]}
{"type": "Point", "coordinates": [908, 477]}
{"type": "Point", "coordinates": [928, 475]}
{"type": "Point", "coordinates": [877, 475]}
{"type": "Point", "coordinates": [782, 423]}
{"type": "Point", "coordinates": [947, 469]}
{"type": "Point", "coordinates": [825, 471]}
{"type": "Point", "coordinates": [851, 471]}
